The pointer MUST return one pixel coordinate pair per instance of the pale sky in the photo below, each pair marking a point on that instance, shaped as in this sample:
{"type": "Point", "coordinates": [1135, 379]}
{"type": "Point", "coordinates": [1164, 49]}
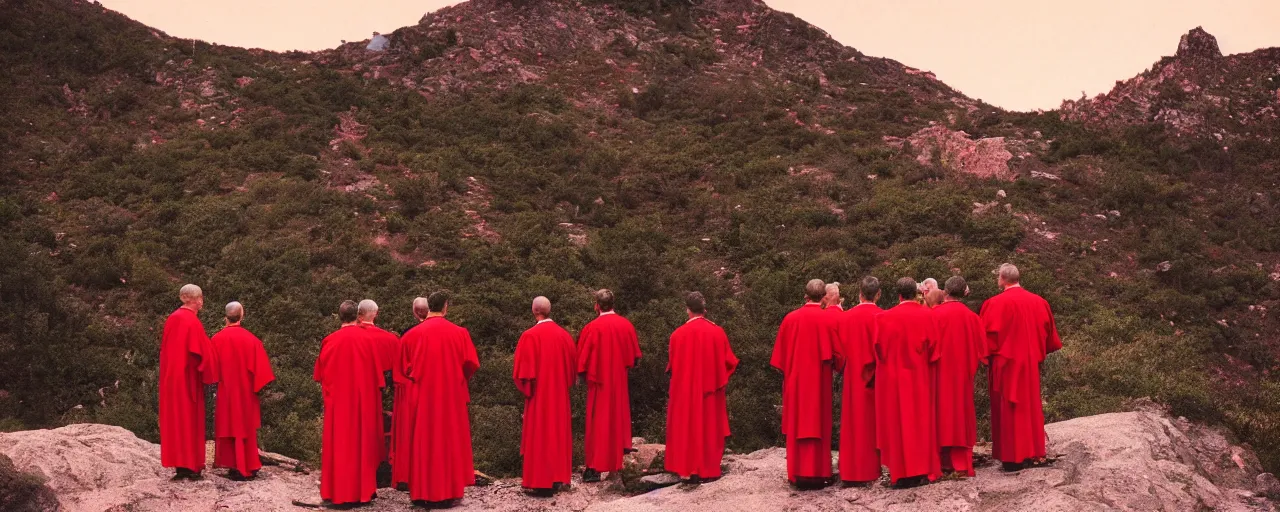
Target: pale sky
{"type": "Point", "coordinates": [1016, 54]}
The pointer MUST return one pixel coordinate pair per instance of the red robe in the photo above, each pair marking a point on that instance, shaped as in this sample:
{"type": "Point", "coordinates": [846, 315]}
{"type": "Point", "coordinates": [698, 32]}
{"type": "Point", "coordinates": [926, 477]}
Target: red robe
{"type": "Point", "coordinates": [387, 345]}
{"type": "Point", "coordinates": [803, 352]}
{"type": "Point", "coordinates": [906, 409]}
{"type": "Point", "coordinates": [700, 364]}
{"type": "Point", "coordinates": [404, 409]}
{"type": "Point", "coordinates": [544, 368]}
{"type": "Point", "coordinates": [607, 348]}
{"type": "Point", "coordinates": [443, 360]}
{"type": "Point", "coordinates": [187, 363]}
{"type": "Point", "coordinates": [243, 370]}
{"type": "Point", "coordinates": [962, 344]}
{"type": "Point", "coordinates": [1020, 332]}
{"type": "Point", "coordinates": [349, 373]}
{"type": "Point", "coordinates": [856, 358]}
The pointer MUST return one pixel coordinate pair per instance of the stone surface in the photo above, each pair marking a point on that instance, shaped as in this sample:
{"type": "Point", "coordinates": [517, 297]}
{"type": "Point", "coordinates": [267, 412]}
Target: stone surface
{"type": "Point", "coordinates": [956, 151]}
{"type": "Point", "coordinates": [1127, 461]}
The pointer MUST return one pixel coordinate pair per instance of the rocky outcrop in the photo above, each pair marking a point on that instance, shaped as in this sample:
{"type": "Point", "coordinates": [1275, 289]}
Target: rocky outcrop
{"type": "Point", "coordinates": [1128, 461]}
{"type": "Point", "coordinates": [956, 151]}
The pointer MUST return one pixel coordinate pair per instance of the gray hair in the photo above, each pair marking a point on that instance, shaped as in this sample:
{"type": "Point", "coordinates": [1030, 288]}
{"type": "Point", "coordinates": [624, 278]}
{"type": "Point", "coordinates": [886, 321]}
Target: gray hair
{"type": "Point", "coordinates": [421, 307]}
{"type": "Point", "coordinates": [190, 292]}
{"type": "Point", "coordinates": [235, 311]}
{"type": "Point", "coordinates": [815, 289]}
{"type": "Point", "coordinates": [1009, 273]}
{"type": "Point", "coordinates": [367, 308]}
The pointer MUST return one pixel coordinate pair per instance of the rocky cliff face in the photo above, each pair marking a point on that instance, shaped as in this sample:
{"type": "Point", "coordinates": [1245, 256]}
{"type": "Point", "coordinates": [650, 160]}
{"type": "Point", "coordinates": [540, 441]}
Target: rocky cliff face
{"type": "Point", "coordinates": [1197, 92]}
{"type": "Point", "coordinates": [1127, 461]}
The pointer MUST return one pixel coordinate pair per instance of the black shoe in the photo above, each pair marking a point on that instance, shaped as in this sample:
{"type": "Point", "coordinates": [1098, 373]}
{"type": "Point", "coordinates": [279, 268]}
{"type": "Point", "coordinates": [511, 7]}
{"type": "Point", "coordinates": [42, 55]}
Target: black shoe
{"type": "Point", "coordinates": [236, 476]}
{"type": "Point", "coordinates": [629, 450]}
{"type": "Point", "coordinates": [810, 483]}
{"type": "Point", "coordinates": [434, 505]}
{"type": "Point", "coordinates": [692, 480]}
{"type": "Point", "coordinates": [1010, 467]}
{"type": "Point", "coordinates": [590, 476]}
{"type": "Point", "coordinates": [187, 474]}
{"type": "Point", "coordinates": [911, 481]}
{"type": "Point", "coordinates": [402, 486]}
{"type": "Point", "coordinates": [541, 493]}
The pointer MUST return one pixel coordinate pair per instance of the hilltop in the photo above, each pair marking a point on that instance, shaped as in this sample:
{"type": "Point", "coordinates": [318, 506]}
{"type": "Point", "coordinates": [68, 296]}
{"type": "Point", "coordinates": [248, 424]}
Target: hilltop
{"type": "Point", "coordinates": [506, 149]}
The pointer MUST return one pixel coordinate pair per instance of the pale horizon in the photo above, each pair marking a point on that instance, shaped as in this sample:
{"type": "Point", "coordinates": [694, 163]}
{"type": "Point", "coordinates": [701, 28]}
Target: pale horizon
{"type": "Point", "coordinates": [1013, 54]}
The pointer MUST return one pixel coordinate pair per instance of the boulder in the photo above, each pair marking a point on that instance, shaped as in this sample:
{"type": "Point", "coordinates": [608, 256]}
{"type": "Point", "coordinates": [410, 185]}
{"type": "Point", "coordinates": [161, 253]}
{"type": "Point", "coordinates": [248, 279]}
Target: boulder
{"type": "Point", "coordinates": [1129, 461]}
{"type": "Point", "coordinates": [1141, 460]}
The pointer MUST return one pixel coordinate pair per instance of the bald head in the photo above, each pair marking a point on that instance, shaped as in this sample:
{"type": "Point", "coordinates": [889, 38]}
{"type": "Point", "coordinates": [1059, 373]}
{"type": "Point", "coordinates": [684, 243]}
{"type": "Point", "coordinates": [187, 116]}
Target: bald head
{"type": "Point", "coordinates": [192, 297]}
{"type": "Point", "coordinates": [367, 311]}
{"type": "Point", "coordinates": [421, 308]}
{"type": "Point", "coordinates": [541, 307]}
{"type": "Point", "coordinates": [1008, 275]}
{"type": "Point", "coordinates": [815, 290]}
{"type": "Point", "coordinates": [234, 313]}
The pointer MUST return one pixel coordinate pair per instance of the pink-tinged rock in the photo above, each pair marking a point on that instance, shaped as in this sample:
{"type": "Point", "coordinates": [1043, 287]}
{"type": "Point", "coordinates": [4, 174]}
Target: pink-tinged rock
{"type": "Point", "coordinates": [244, 81]}
{"type": "Point", "coordinates": [984, 158]}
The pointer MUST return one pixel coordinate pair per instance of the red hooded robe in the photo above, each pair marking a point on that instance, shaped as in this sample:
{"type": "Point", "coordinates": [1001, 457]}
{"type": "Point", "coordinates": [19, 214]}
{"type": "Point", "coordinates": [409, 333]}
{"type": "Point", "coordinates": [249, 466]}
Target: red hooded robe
{"type": "Point", "coordinates": [443, 360]}
{"type": "Point", "coordinates": [700, 364]}
{"type": "Point", "coordinates": [803, 352]}
{"type": "Point", "coordinates": [856, 359]}
{"type": "Point", "coordinates": [607, 348]}
{"type": "Point", "coordinates": [243, 370]}
{"type": "Point", "coordinates": [545, 364]}
{"type": "Point", "coordinates": [187, 363]}
{"type": "Point", "coordinates": [1020, 332]}
{"type": "Point", "coordinates": [351, 378]}
{"type": "Point", "coordinates": [906, 426]}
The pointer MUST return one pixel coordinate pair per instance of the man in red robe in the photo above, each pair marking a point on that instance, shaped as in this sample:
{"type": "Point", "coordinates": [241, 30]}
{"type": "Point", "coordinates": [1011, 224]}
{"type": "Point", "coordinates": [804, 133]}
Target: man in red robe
{"type": "Point", "coordinates": [855, 357]}
{"type": "Point", "coordinates": [962, 344]}
{"type": "Point", "coordinates": [387, 345]}
{"type": "Point", "coordinates": [700, 364]}
{"type": "Point", "coordinates": [545, 364]}
{"type": "Point", "coordinates": [187, 363]}
{"type": "Point", "coordinates": [350, 376]}
{"type": "Point", "coordinates": [607, 348]}
{"type": "Point", "coordinates": [1020, 333]}
{"type": "Point", "coordinates": [243, 370]}
{"type": "Point", "coordinates": [803, 353]}
{"type": "Point", "coordinates": [405, 400]}
{"type": "Point", "coordinates": [906, 425]}
{"type": "Point", "coordinates": [442, 361]}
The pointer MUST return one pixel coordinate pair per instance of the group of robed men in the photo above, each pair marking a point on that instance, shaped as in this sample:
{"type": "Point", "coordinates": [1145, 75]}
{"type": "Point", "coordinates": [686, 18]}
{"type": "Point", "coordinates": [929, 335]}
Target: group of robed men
{"type": "Point", "coordinates": [907, 390]}
{"type": "Point", "coordinates": [908, 380]}
{"type": "Point", "coordinates": [430, 365]}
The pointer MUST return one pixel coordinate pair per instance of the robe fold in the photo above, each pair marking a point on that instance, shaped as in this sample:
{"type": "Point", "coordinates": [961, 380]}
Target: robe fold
{"type": "Point", "coordinates": [404, 408]}
{"type": "Point", "coordinates": [442, 360]}
{"type": "Point", "coordinates": [351, 377]}
{"type": "Point", "coordinates": [187, 363]}
{"type": "Point", "coordinates": [544, 369]}
{"type": "Point", "coordinates": [962, 345]}
{"type": "Point", "coordinates": [387, 346]}
{"type": "Point", "coordinates": [906, 407]}
{"type": "Point", "coordinates": [803, 353]}
{"type": "Point", "coordinates": [700, 364]}
{"type": "Point", "coordinates": [607, 348]}
{"type": "Point", "coordinates": [243, 370]}
{"type": "Point", "coordinates": [855, 357]}
{"type": "Point", "coordinates": [1020, 331]}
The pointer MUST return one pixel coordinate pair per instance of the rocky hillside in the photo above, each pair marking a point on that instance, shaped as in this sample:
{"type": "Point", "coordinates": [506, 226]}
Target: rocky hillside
{"type": "Point", "coordinates": [1126, 461]}
{"type": "Point", "coordinates": [507, 149]}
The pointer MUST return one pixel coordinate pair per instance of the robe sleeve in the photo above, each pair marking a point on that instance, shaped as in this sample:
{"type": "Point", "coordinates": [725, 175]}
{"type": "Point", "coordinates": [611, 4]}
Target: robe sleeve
{"type": "Point", "coordinates": [825, 343]}
{"type": "Point", "coordinates": [867, 355]}
{"type": "Point", "coordinates": [839, 347]}
{"type": "Point", "coordinates": [403, 371]}
{"type": "Point", "coordinates": [586, 360]}
{"type": "Point", "coordinates": [524, 368]}
{"type": "Point", "coordinates": [991, 320]}
{"type": "Point", "coordinates": [730, 359]}
{"type": "Point", "coordinates": [318, 375]}
{"type": "Point", "coordinates": [635, 347]}
{"type": "Point", "coordinates": [1052, 342]}
{"type": "Point", "coordinates": [978, 350]}
{"type": "Point", "coordinates": [198, 343]}
{"type": "Point", "coordinates": [470, 361]}
{"type": "Point", "coordinates": [261, 368]}
{"type": "Point", "coordinates": [782, 347]}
